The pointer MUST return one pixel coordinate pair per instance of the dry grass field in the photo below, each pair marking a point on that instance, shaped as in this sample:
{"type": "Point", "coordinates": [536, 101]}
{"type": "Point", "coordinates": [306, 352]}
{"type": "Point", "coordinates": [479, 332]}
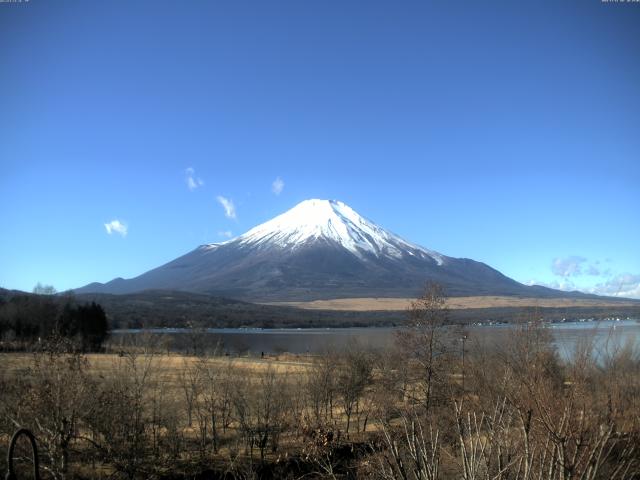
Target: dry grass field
{"type": "Point", "coordinates": [454, 303]}
{"type": "Point", "coordinates": [170, 366]}
{"type": "Point", "coordinates": [148, 413]}
{"type": "Point", "coordinates": [182, 386]}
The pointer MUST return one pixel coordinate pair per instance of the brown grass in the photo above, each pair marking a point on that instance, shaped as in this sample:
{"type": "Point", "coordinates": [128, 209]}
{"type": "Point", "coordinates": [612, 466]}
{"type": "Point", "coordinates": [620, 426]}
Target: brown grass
{"type": "Point", "coordinates": [454, 303]}
{"type": "Point", "coordinates": [170, 366]}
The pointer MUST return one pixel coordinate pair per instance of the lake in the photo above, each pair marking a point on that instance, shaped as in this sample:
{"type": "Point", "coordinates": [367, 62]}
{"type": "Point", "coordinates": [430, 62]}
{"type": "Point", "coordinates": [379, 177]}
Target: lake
{"type": "Point", "coordinates": [607, 335]}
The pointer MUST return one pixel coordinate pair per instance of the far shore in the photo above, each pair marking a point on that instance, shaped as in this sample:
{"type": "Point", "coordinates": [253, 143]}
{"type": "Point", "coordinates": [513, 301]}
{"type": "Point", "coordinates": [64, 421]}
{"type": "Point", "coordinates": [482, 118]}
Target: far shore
{"type": "Point", "coordinates": [455, 303]}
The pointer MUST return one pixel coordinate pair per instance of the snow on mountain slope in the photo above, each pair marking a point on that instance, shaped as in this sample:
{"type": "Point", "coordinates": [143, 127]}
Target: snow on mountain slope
{"type": "Point", "coordinates": [334, 221]}
{"type": "Point", "coordinates": [320, 249]}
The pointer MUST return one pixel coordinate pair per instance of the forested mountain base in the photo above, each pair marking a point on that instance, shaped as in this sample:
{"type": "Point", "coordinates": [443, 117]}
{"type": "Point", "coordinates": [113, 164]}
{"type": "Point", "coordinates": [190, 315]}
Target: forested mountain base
{"type": "Point", "coordinates": [159, 309]}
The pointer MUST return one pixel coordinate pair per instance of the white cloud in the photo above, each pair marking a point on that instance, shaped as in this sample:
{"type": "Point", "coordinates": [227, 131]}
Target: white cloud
{"type": "Point", "coordinates": [193, 182]}
{"type": "Point", "coordinates": [565, 284]}
{"type": "Point", "coordinates": [567, 266]}
{"type": "Point", "coordinates": [226, 234]}
{"type": "Point", "coordinates": [277, 186]}
{"type": "Point", "coordinates": [622, 285]}
{"type": "Point", "coordinates": [227, 204]}
{"type": "Point", "coordinates": [116, 226]}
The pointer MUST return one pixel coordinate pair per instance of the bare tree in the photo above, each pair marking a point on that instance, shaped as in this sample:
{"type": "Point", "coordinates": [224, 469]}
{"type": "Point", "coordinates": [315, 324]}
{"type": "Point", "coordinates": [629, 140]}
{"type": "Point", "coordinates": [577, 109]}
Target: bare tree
{"type": "Point", "coordinates": [390, 386]}
{"type": "Point", "coordinates": [213, 402]}
{"type": "Point", "coordinates": [320, 387]}
{"type": "Point", "coordinates": [261, 410]}
{"type": "Point", "coordinates": [354, 375]}
{"type": "Point", "coordinates": [190, 385]}
{"type": "Point", "coordinates": [41, 289]}
{"type": "Point", "coordinates": [424, 341]}
{"type": "Point", "coordinates": [120, 416]}
{"type": "Point", "coordinates": [57, 394]}
{"type": "Point", "coordinates": [411, 453]}
{"type": "Point", "coordinates": [550, 420]}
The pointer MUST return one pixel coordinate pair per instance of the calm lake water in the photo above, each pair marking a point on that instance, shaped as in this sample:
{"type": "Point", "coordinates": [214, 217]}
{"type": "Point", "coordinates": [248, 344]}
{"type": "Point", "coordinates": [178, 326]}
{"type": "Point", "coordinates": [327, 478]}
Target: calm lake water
{"type": "Point", "coordinates": [606, 335]}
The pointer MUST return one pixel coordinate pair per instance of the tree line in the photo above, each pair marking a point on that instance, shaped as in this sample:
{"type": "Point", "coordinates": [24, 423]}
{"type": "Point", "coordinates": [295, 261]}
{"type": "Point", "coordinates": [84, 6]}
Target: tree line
{"type": "Point", "coordinates": [28, 319]}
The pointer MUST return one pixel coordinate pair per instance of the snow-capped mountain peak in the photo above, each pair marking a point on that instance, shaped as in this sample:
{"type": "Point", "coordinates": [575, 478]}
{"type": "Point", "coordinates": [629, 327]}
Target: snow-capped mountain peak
{"type": "Point", "coordinates": [320, 249]}
{"type": "Point", "coordinates": [332, 221]}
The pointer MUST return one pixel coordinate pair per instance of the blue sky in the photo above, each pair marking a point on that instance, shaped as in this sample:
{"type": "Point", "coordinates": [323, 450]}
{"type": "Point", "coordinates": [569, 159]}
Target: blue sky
{"type": "Point", "coordinates": [506, 132]}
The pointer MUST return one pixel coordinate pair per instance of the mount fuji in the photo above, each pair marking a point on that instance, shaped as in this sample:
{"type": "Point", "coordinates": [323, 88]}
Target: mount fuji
{"type": "Point", "coordinates": [320, 249]}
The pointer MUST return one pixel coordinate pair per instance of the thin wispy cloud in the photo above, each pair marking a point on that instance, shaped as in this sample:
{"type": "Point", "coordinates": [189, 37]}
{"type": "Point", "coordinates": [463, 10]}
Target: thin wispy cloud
{"type": "Point", "coordinates": [193, 182]}
{"type": "Point", "coordinates": [577, 266]}
{"type": "Point", "coordinates": [621, 285]}
{"type": "Point", "coordinates": [593, 270]}
{"type": "Point", "coordinates": [277, 186]}
{"type": "Point", "coordinates": [227, 204]}
{"type": "Point", "coordinates": [577, 273]}
{"type": "Point", "coordinates": [567, 266]}
{"type": "Point", "coordinates": [565, 284]}
{"type": "Point", "coordinates": [116, 226]}
{"type": "Point", "coordinates": [226, 234]}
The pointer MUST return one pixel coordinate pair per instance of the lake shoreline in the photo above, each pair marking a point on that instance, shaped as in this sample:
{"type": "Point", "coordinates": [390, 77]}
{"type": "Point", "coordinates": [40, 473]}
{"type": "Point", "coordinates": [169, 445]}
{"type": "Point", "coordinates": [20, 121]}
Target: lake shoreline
{"type": "Point", "coordinates": [259, 341]}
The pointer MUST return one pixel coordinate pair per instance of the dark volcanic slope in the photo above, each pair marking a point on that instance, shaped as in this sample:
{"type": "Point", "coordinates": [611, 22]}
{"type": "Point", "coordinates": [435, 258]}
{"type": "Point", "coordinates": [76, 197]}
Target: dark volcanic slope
{"type": "Point", "coordinates": [315, 272]}
{"type": "Point", "coordinates": [317, 250]}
